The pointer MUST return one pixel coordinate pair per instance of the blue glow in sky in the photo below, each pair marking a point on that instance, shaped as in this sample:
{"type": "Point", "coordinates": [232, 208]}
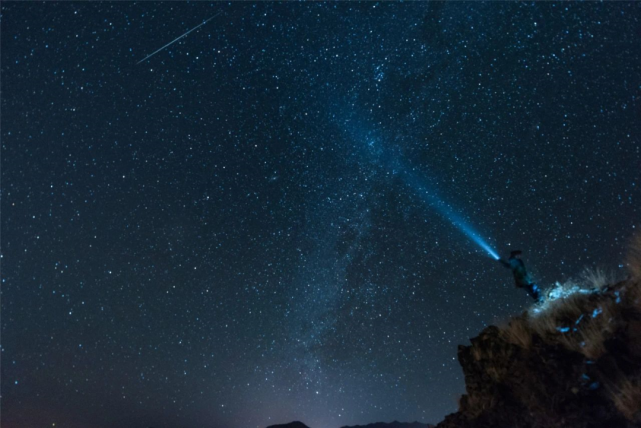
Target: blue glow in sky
{"type": "Point", "coordinates": [390, 159]}
{"type": "Point", "coordinates": [431, 198]}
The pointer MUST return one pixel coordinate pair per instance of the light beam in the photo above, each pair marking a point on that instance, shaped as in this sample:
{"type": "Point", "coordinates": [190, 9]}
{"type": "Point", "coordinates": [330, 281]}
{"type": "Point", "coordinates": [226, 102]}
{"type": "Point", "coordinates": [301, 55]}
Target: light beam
{"type": "Point", "coordinates": [392, 161]}
{"type": "Point", "coordinates": [430, 197]}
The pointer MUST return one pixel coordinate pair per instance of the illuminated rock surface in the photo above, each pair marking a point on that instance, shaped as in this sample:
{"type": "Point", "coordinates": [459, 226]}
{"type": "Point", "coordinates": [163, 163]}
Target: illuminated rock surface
{"type": "Point", "coordinates": [575, 362]}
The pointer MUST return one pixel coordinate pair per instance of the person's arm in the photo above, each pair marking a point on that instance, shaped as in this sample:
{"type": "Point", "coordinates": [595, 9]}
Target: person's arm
{"type": "Point", "coordinates": [505, 263]}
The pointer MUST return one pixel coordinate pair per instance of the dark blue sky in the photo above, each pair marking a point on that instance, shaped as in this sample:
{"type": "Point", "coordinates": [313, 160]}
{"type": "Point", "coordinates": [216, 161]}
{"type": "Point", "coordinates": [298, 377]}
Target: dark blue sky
{"type": "Point", "coordinates": [229, 234]}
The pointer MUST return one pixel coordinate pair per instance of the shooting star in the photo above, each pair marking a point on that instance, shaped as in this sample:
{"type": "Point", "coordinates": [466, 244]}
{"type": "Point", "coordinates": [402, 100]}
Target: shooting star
{"type": "Point", "coordinates": [176, 39]}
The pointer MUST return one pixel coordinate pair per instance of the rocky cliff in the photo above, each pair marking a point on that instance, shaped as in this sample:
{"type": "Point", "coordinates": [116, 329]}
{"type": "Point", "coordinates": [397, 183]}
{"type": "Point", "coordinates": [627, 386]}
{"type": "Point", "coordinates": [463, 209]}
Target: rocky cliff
{"type": "Point", "coordinates": [573, 361]}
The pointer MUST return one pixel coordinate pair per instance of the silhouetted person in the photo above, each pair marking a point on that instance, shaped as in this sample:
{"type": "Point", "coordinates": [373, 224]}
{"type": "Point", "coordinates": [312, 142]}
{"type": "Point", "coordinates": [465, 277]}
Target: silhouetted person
{"type": "Point", "coordinates": [521, 277]}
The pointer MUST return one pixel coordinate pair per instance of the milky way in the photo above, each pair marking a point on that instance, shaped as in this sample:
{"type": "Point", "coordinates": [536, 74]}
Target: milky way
{"type": "Point", "coordinates": [262, 221]}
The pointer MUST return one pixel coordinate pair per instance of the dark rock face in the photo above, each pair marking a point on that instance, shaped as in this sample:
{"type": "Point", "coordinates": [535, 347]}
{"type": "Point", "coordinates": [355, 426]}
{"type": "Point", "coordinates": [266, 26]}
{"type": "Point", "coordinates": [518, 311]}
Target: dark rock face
{"type": "Point", "coordinates": [294, 424]}
{"type": "Point", "coordinates": [575, 363]}
{"type": "Point", "coordinates": [394, 424]}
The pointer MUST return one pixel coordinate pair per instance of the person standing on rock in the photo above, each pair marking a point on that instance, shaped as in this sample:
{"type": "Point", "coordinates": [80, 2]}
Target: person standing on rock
{"type": "Point", "coordinates": [521, 276]}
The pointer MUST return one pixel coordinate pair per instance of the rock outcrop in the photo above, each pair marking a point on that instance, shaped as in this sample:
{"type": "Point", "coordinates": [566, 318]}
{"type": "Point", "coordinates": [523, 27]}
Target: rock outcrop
{"type": "Point", "coordinates": [295, 424]}
{"type": "Point", "coordinates": [574, 361]}
{"type": "Point", "coordinates": [394, 424]}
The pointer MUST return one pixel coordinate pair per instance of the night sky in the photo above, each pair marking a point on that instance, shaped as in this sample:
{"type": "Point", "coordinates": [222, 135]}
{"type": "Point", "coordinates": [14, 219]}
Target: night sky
{"type": "Point", "coordinates": [258, 223]}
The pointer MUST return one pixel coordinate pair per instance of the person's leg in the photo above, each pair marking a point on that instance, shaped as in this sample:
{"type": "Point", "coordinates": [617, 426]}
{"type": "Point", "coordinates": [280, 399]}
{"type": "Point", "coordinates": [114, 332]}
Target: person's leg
{"type": "Point", "coordinates": [534, 291]}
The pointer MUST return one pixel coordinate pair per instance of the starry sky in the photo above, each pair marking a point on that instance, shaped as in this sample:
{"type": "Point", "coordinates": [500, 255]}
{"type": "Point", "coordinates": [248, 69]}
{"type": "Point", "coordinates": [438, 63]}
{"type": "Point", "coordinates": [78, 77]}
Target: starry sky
{"type": "Point", "coordinates": [255, 224]}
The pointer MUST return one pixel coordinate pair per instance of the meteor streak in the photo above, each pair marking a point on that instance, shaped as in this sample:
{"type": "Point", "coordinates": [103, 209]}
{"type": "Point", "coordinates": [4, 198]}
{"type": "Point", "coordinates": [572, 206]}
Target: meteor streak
{"type": "Point", "coordinates": [175, 40]}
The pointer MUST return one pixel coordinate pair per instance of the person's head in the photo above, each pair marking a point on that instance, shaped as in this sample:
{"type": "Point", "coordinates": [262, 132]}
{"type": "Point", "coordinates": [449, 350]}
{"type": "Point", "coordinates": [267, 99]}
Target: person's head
{"type": "Point", "coordinates": [515, 254]}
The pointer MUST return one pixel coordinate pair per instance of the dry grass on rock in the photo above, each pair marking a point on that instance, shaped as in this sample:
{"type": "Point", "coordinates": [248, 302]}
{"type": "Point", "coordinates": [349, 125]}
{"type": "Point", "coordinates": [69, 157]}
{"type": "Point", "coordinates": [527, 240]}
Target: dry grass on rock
{"type": "Point", "coordinates": [634, 258]}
